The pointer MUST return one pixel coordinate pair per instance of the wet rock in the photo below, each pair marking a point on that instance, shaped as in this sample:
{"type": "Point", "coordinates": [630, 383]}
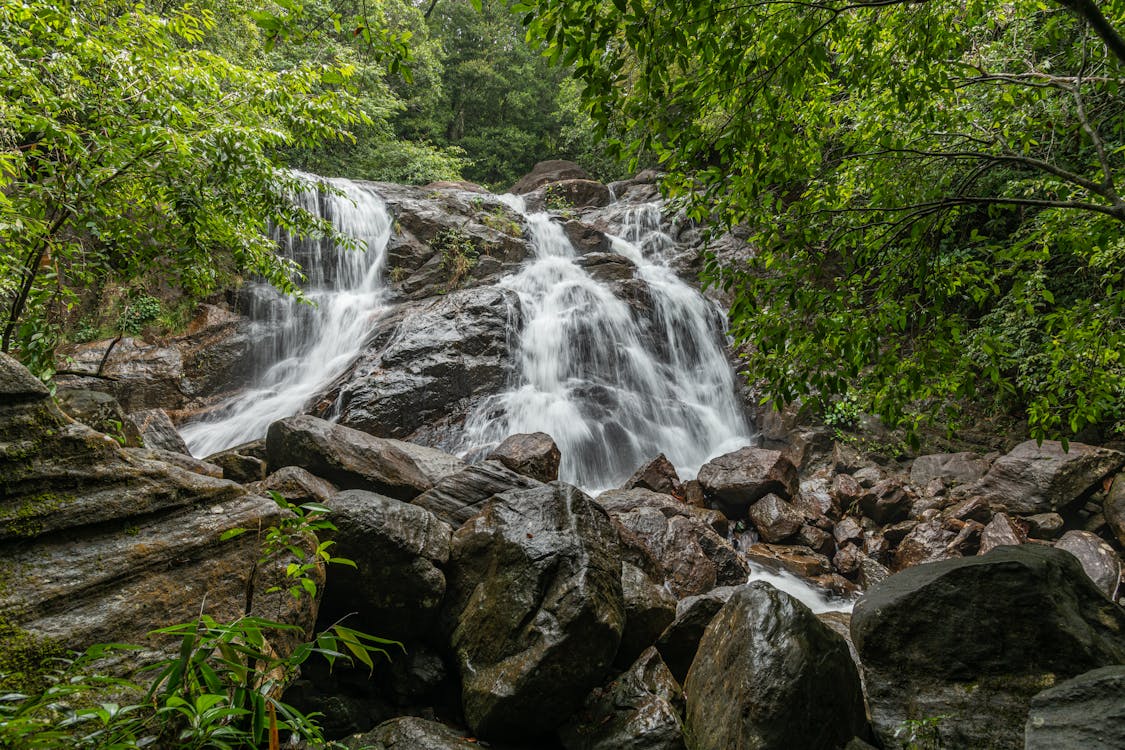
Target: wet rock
{"type": "Point", "coordinates": [848, 529]}
{"type": "Point", "coordinates": [973, 508]}
{"type": "Point", "coordinates": [929, 541]}
{"type": "Point", "coordinates": [239, 466]}
{"type": "Point", "coordinates": [764, 666]}
{"type": "Point", "coordinates": [156, 430]}
{"type": "Point", "coordinates": [295, 485]}
{"type": "Point", "coordinates": [817, 540]}
{"type": "Point", "coordinates": [397, 585]}
{"type": "Point", "coordinates": [352, 459]}
{"type": "Point", "coordinates": [1001, 531]}
{"type": "Point", "coordinates": [458, 497]}
{"type": "Point", "coordinates": [738, 479]}
{"type": "Point", "coordinates": [800, 561]}
{"type": "Point", "coordinates": [585, 238]}
{"type": "Point", "coordinates": [884, 503]}
{"type": "Point", "coordinates": [680, 640]}
{"type": "Point", "coordinates": [1086, 712]}
{"type": "Point", "coordinates": [640, 710]}
{"type": "Point", "coordinates": [680, 538]}
{"type": "Point", "coordinates": [536, 606]}
{"type": "Point", "coordinates": [545, 172]}
{"type": "Point", "coordinates": [1044, 525]}
{"type": "Point", "coordinates": [968, 538]}
{"type": "Point", "coordinates": [973, 639]}
{"type": "Point", "coordinates": [1045, 478]}
{"type": "Point", "coordinates": [775, 519]}
{"type": "Point", "coordinates": [138, 374]}
{"type": "Point", "coordinates": [846, 491]}
{"type": "Point", "coordinates": [1114, 508]}
{"type": "Point", "coordinates": [951, 468]}
{"type": "Point", "coordinates": [99, 411]}
{"type": "Point", "coordinates": [569, 193]}
{"type": "Point", "coordinates": [649, 609]}
{"type": "Point", "coordinates": [607, 267]}
{"type": "Point", "coordinates": [426, 366]}
{"type": "Point", "coordinates": [534, 455]}
{"type": "Point", "coordinates": [1098, 559]}
{"type": "Point", "coordinates": [896, 532]}
{"type": "Point", "coordinates": [870, 572]}
{"type": "Point", "coordinates": [658, 475]}
{"type": "Point", "coordinates": [179, 460]}
{"type": "Point", "coordinates": [848, 558]}
{"type": "Point", "coordinates": [412, 733]}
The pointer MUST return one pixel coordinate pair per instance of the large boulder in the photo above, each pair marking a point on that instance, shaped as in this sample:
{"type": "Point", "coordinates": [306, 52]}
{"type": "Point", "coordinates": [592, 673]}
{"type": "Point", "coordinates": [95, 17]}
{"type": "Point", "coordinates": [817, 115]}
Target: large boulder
{"type": "Point", "coordinates": [693, 557]}
{"type": "Point", "coordinates": [766, 666]}
{"type": "Point", "coordinates": [680, 640]}
{"type": "Point", "coordinates": [399, 549]}
{"type": "Point", "coordinates": [1044, 478]}
{"type": "Point", "coordinates": [640, 710]}
{"type": "Point", "coordinates": [426, 365]}
{"type": "Point", "coordinates": [658, 475]}
{"type": "Point", "coordinates": [973, 639]}
{"type": "Point", "coordinates": [734, 481]}
{"type": "Point", "coordinates": [1114, 508]}
{"type": "Point", "coordinates": [534, 455]}
{"type": "Point", "coordinates": [649, 609]}
{"type": "Point", "coordinates": [950, 468]}
{"type": "Point", "coordinates": [412, 733]}
{"type": "Point", "coordinates": [458, 497]}
{"type": "Point", "coordinates": [552, 170]}
{"type": "Point", "coordinates": [1086, 712]}
{"type": "Point", "coordinates": [351, 459]}
{"type": "Point", "coordinates": [101, 543]}
{"type": "Point", "coordinates": [536, 608]}
{"type": "Point", "coordinates": [1098, 559]}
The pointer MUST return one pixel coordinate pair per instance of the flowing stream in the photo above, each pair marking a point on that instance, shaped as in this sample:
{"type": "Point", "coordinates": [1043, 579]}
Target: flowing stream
{"type": "Point", "coordinates": [613, 388]}
{"type": "Point", "coordinates": [315, 343]}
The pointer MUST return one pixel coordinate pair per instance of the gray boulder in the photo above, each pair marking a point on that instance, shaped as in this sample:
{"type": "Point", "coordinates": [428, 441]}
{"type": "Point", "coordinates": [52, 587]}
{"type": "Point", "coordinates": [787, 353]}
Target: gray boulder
{"type": "Point", "coordinates": [765, 666]}
{"type": "Point", "coordinates": [352, 459]}
{"type": "Point", "coordinates": [973, 639]}
{"type": "Point", "coordinates": [680, 640]}
{"type": "Point", "coordinates": [1045, 478]}
{"type": "Point", "coordinates": [1098, 559]}
{"type": "Point", "coordinates": [412, 733]}
{"type": "Point", "coordinates": [736, 480]}
{"type": "Point", "coordinates": [295, 485]}
{"type": "Point", "coordinates": [658, 475]}
{"type": "Point", "coordinates": [1086, 712]}
{"type": "Point", "coordinates": [950, 468]}
{"type": "Point", "coordinates": [552, 170]}
{"type": "Point", "coordinates": [640, 710]}
{"type": "Point", "coordinates": [399, 549]}
{"type": "Point", "coordinates": [458, 497]}
{"type": "Point", "coordinates": [649, 609]}
{"type": "Point", "coordinates": [535, 607]}
{"type": "Point", "coordinates": [535, 455]}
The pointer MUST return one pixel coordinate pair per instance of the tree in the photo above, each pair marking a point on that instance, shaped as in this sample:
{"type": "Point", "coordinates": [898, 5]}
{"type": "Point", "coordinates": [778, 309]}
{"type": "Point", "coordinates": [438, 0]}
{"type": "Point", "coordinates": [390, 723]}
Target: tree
{"type": "Point", "coordinates": [931, 187]}
{"type": "Point", "coordinates": [128, 151]}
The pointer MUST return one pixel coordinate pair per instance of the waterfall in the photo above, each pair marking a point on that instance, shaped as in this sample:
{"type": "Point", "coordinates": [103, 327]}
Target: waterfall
{"type": "Point", "coordinates": [613, 387]}
{"type": "Point", "coordinates": [314, 343]}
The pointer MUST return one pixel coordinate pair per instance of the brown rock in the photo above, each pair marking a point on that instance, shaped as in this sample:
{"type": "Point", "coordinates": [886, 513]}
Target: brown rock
{"type": "Point", "coordinates": [775, 519]}
{"type": "Point", "coordinates": [1044, 525]}
{"type": "Point", "coordinates": [846, 490]}
{"type": "Point", "coordinates": [1002, 530]}
{"type": "Point", "coordinates": [800, 561]}
{"type": "Point", "coordinates": [658, 475]}
{"type": "Point", "coordinates": [927, 542]}
{"type": "Point", "coordinates": [967, 540]}
{"type": "Point", "coordinates": [895, 533]}
{"type": "Point", "coordinates": [1098, 559]}
{"type": "Point", "coordinates": [974, 508]}
{"type": "Point", "coordinates": [545, 172]}
{"type": "Point", "coordinates": [818, 540]}
{"type": "Point", "coordinates": [737, 479]}
{"type": "Point", "coordinates": [847, 530]}
{"type": "Point", "coordinates": [886, 502]}
{"type": "Point", "coordinates": [534, 455]}
{"type": "Point", "coordinates": [1043, 478]}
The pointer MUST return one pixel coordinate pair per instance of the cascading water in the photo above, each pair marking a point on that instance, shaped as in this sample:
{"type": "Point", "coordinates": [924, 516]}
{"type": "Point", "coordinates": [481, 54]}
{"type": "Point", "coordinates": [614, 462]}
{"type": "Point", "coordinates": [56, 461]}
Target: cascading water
{"type": "Point", "coordinates": [613, 391]}
{"type": "Point", "coordinates": [314, 344]}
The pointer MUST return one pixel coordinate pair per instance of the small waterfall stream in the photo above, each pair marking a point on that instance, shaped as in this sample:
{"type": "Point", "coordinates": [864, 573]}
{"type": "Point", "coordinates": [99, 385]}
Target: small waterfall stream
{"type": "Point", "coordinates": [612, 388]}
{"type": "Point", "coordinates": [314, 343]}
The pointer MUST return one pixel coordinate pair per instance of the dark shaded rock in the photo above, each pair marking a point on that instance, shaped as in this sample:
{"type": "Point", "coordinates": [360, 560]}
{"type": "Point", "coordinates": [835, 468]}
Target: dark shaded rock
{"type": "Point", "coordinates": [1001, 531]}
{"type": "Point", "coordinates": [536, 606]}
{"type": "Point", "coordinates": [1098, 559]}
{"type": "Point", "coordinates": [658, 475]}
{"type": "Point", "coordinates": [607, 267]}
{"type": "Point", "coordinates": [817, 540]}
{"type": "Point", "coordinates": [569, 193]}
{"type": "Point", "coordinates": [156, 430]}
{"type": "Point", "coordinates": [764, 666]}
{"type": "Point", "coordinates": [680, 640]}
{"type": "Point", "coordinates": [552, 170]}
{"type": "Point", "coordinates": [736, 480]}
{"type": "Point", "coordinates": [535, 455]}
{"type": "Point", "coordinates": [886, 502]}
{"type": "Point", "coordinates": [649, 609]}
{"type": "Point", "coordinates": [458, 497]}
{"type": "Point", "coordinates": [968, 538]}
{"type": "Point", "coordinates": [1114, 508]}
{"type": "Point", "coordinates": [870, 572]}
{"type": "Point", "coordinates": [17, 384]}
{"type": "Point", "coordinates": [973, 508]}
{"type": "Point", "coordinates": [681, 538]}
{"type": "Point", "coordinates": [426, 366]}
{"type": "Point", "coordinates": [848, 558]}
{"type": "Point", "coordinates": [846, 491]}
{"type": "Point", "coordinates": [1086, 712]}
{"type": "Point", "coordinates": [1044, 525]}
{"type": "Point", "coordinates": [951, 468]}
{"type": "Point", "coordinates": [927, 542]}
{"type": "Point", "coordinates": [187, 463]}
{"type": "Point", "coordinates": [352, 459]}
{"type": "Point", "coordinates": [100, 411]}
{"type": "Point", "coordinates": [848, 529]}
{"type": "Point", "coordinates": [412, 733]}
{"type": "Point", "coordinates": [640, 710]}
{"type": "Point", "coordinates": [973, 639]}
{"type": "Point", "coordinates": [1045, 478]}
{"type": "Point", "coordinates": [896, 532]}
{"type": "Point", "coordinates": [296, 485]}
{"type": "Point", "coordinates": [398, 548]}
{"type": "Point", "coordinates": [238, 466]}
{"type": "Point", "coordinates": [775, 519]}
{"type": "Point", "coordinates": [585, 238]}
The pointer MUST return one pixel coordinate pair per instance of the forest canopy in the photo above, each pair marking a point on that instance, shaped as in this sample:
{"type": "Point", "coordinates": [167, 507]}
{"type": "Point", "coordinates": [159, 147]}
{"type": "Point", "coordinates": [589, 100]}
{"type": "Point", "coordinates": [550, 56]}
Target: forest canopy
{"type": "Point", "coordinates": [931, 188]}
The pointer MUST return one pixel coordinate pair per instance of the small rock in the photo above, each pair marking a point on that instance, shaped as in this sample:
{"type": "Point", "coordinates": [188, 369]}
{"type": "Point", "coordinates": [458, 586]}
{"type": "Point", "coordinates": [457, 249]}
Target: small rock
{"type": "Point", "coordinates": [886, 502]}
{"type": "Point", "coordinates": [534, 455]}
{"type": "Point", "coordinates": [1044, 525]}
{"type": "Point", "coordinates": [658, 475]}
{"type": "Point", "coordinates": [967, 540]}
{"type": "Point", "coordinates": [800, 561]}
{"type": "Point", "coordinates": [817, 540]}
{"type": "Point", "coordinates": [1001, 531]}
{"type": "Point", "coordinates": [974, 508]}
{"type": "Point", "coordinates": [846, 490]}
{"type": "Point", "coordinates": [775, 519]}
{"type": "Point", "coordinates": [1098, 559]}
{"type": "Point", "coordinates": [896, 532]}
{"type": "Point", "coordinates": [157, 431]}
{"type": "Point", "coordinates": [927, 542]}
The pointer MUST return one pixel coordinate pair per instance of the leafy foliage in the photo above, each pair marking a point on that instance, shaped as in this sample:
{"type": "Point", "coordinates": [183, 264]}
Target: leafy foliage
{"type": "Point", "coordinates": [930, 188]}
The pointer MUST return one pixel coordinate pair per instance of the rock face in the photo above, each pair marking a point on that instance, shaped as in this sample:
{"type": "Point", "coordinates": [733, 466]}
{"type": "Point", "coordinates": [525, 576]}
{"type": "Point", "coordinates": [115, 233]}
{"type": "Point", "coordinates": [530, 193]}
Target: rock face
{"type": "Point", "coordinates": [1042, 479]}
{"type": "Point", "coordinates": [545, 172]}
{"type": "Point", "coordinates": [101, 543]}
{"type": "Point", "coordinates": [458, 497]}
{"type": "Point", "coordinates": [352, 459]}
{"type": "Point", "coordinates": [1114, 508]}
{"type": "Point", "coordinates": [974, 639]}
{"type": "Point", "coordinates": [649, 609]}
{"type": "Point", "coordinates": [1086, 712]}
{"type": "Point", "coordinates": [536, 606]}
{"type": "Point", "coordinates": [399, 549]}
{"type": "Point", "coordinates": [534, 455]}
{"type": "Point", "coordinates": [736, 480]}
{"type": "Point", "coordinates": [640, 710]}
{"type": "Point", "coordinates": [426, 364]}
{"type": "Point", "coordinates": [765, 665]}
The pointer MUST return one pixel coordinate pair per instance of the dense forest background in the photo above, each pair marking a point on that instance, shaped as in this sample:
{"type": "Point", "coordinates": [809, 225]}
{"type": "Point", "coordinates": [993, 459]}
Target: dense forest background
{"type": "Point", "coordinates": [930, 188]}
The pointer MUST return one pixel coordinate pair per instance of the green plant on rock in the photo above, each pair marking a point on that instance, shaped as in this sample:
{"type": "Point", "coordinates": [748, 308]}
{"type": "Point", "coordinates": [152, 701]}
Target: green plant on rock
{"type": "Point", "coordinates": [920, 734]}
{"type": "Point", "coordinates": [556, 200]}
{"type": "Point", "coordinates": [499, 219]}
{"type": "Point", "coordinates": [842, 415]}
{"type": "Point", "coordinates": [458, 254]}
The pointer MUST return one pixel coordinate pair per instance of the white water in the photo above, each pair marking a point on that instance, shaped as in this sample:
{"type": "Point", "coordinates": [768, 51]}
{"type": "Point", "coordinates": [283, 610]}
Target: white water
{"type": "Point", "coordinates": [611, 389]}
{"type": "Point", "coordinates": [813, 598]}
{"type": "Point", "coordinates": [318, 343]}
